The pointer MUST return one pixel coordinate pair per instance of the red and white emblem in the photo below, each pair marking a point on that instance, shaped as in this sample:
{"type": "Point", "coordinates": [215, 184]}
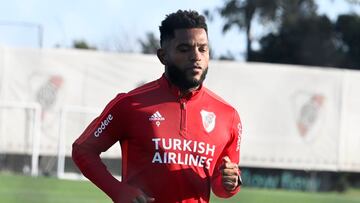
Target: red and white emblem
{"type": "Point", "coordinates": [208, 120]}
{"type": "Point", "coordinates": [309, 113]}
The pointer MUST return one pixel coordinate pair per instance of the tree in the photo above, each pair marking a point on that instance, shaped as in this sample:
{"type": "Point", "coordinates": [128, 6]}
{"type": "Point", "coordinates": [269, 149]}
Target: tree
{"type": "Point", "coordinates": [314, 40]}
{"type": "Point", "coordinates": [82, 44]}
{"type": "Point", "coordinates": [307, 40]}
{"type": "Point", "coordinates": [227, 57]}
{"type": "Point", "coordinates": [241, 13]}
{"type": "Point", "coordinates": [292, 11]}
{"type": "Point", "coordinates": [150, 45]}
{"type": "Point", "coordinates": [348, 31]}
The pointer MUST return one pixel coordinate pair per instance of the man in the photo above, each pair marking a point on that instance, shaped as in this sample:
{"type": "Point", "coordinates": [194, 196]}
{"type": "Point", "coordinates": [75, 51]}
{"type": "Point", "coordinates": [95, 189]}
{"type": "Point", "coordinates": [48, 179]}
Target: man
{"type": "Point", "coordinates": [178, 139]}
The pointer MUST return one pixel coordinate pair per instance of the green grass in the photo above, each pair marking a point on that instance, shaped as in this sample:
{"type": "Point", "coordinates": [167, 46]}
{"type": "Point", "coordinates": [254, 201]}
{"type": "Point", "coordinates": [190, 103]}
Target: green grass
{"type": "Point", "coordinates": [16, 189]}
{"type": "Point", "coordinates": [283, 196]}
{"type": "Point", "coordinates": [24, 189]}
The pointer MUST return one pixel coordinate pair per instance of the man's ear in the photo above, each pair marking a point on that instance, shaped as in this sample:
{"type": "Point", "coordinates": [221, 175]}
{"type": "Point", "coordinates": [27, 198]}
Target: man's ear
{"type": "Point", "coordinates": [161, 55]}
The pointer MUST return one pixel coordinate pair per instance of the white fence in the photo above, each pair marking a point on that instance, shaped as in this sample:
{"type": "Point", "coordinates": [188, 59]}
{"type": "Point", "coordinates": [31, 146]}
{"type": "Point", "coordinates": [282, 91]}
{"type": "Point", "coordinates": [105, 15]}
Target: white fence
{"type": "Point", "coordinates": [30, 140]}
{"type": "Point", "coordinates": [17, 138]}
{"type": "Point", "coordinates": [293, 117]}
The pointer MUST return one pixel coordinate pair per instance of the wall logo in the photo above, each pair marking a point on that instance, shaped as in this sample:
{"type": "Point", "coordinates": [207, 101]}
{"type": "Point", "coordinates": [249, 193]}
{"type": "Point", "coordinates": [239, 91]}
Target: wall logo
{"type": "Point", "coordinates": [308, 108]}
{"type": "Point", "coordinates": [103, 125]}
{"type": "Point", "coordinates": [48, 91]}
{"type": "Point", "coordinates": [208, 120]}
{"type": "Point", "coordinates": [157, 117]}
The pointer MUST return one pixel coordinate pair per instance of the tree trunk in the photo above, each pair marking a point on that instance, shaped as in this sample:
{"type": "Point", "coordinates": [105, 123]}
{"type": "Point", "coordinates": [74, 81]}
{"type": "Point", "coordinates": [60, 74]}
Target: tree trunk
{"type": "Point", "coordinates": [250, 10]}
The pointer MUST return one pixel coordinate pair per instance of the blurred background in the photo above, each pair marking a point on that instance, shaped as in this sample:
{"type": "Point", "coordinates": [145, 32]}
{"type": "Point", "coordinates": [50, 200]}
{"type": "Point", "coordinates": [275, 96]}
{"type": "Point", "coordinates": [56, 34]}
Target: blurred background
{"type": "Point", "coordinates": [290, 67]}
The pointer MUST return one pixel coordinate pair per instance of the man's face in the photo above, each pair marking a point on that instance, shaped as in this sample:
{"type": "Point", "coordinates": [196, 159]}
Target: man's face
{"type": "Point", "coordinates": [186, 57]}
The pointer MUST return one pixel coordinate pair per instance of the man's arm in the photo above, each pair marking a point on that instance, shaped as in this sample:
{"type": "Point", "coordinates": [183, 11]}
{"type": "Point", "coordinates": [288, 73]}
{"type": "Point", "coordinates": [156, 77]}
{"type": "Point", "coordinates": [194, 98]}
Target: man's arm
{"type": "Point", "coordinates": [98, 137]}
{"type": "Point", "coordinates": [226, 178]}
{"type": "Point", "coordinates": [92, 167]}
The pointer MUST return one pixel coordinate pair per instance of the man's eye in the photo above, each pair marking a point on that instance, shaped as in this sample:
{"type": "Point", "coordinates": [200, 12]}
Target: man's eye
{"type": "Point", "coordinates": [183, 49]}
{"type": "Point", "coordinates": [203, 49]}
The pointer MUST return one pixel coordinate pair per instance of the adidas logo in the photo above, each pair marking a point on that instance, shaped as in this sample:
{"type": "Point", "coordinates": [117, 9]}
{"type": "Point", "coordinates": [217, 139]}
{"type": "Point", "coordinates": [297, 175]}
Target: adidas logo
{"type": "Point", "coordinates": [156, 117]}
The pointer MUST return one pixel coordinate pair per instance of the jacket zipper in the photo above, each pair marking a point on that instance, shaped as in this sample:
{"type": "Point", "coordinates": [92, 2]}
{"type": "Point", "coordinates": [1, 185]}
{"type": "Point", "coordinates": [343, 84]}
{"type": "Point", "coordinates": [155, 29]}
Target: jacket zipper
{"type": "Point", "coordinates": [183, 118]}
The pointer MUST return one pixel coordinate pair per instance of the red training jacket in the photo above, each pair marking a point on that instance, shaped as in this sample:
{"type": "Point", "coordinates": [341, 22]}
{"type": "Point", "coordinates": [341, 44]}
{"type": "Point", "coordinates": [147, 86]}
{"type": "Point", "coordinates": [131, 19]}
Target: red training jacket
{"type": "Point", "coordinates": [172, 146]}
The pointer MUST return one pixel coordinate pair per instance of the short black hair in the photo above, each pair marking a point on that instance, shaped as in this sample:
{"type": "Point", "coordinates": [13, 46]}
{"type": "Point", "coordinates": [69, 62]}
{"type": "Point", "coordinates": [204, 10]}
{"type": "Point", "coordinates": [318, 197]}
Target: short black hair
{"type": "Point", "coordinates": [180, 20]}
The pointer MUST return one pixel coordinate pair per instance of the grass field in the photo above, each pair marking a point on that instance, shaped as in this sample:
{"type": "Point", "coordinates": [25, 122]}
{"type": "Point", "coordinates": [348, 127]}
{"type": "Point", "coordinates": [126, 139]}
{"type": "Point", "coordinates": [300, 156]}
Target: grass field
{"type": "Point", "coordinates": [16, 189]}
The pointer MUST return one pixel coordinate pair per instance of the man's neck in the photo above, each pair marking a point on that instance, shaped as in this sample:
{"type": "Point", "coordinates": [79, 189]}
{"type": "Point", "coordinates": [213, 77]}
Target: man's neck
{"type": "Point", "coordinates": [182, 91]}
{"type": "Point", "coordinates": [185, 92]}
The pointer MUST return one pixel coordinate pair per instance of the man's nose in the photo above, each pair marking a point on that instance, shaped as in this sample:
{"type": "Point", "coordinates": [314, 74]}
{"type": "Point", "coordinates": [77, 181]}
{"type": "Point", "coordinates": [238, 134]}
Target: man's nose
{"type": "Point", "coordinates": [195, 55]}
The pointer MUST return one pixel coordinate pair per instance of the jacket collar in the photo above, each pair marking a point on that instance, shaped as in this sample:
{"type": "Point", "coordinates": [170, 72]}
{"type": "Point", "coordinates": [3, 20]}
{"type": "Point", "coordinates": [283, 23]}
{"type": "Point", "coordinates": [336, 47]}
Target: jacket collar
{"type": "Point", "coordinates": [174, 90]}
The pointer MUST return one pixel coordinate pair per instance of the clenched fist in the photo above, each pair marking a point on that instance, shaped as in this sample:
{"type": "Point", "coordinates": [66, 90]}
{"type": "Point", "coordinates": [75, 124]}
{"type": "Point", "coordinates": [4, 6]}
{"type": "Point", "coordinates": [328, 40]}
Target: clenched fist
{"type": "Point", "coordinates": [230, 174]}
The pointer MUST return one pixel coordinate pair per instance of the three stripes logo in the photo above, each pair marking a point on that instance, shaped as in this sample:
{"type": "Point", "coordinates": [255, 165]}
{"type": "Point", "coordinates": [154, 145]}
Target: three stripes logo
{"type": "Point", "coordinates": [157, 117]}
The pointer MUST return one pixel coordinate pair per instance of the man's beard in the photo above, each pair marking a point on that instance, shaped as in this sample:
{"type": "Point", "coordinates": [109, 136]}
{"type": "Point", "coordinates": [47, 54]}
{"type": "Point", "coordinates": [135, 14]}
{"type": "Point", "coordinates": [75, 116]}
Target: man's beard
{"type": "Point", "coordinates": [179, 78]}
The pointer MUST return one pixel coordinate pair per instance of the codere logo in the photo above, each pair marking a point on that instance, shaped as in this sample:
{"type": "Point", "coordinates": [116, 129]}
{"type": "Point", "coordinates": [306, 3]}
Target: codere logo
{"type": "Point", "coordinates": [103, 125]}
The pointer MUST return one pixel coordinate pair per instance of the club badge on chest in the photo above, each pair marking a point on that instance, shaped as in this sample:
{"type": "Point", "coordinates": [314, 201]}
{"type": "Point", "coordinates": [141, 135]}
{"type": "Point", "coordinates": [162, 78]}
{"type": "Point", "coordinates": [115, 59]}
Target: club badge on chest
{"type": "Point", "coordinates": [208, 120]}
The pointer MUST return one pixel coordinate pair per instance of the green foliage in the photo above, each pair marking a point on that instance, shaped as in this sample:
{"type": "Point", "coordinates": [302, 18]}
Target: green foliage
{"type": "Point", "coordinates": [82, 44]}
{"type": "Point", "coordinates": [306, 41]}
{"type": "Point", "coordinates": [300, 36]}
{"type": "Point", "coordinates": [241, 13]}
{"type": "Point", "coordinates": [348, 30]}
{"type": "Point", "coordinates": [228, 57]}
{"type": "Point", "coordinates": [150, 45]}
{"type": "Point", "coordinates": [314, 40]}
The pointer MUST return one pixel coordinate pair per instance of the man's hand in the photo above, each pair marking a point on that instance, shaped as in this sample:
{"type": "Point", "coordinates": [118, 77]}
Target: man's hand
{"type": "Point", "coordinates": [230, 174]}
{"type": "Point", "coordinates": [143, 199]}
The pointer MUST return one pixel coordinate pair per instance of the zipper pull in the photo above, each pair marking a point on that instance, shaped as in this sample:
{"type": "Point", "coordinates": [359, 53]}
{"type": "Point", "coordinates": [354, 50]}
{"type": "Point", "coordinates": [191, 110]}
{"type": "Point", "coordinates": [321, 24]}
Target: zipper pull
{"type": "Point", "coordinates": [183, 105]}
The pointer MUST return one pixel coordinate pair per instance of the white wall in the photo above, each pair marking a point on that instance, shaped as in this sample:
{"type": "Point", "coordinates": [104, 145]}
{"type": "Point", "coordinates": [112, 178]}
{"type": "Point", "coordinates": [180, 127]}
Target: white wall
{"type": "Point", "coordinates": [293, 117]}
